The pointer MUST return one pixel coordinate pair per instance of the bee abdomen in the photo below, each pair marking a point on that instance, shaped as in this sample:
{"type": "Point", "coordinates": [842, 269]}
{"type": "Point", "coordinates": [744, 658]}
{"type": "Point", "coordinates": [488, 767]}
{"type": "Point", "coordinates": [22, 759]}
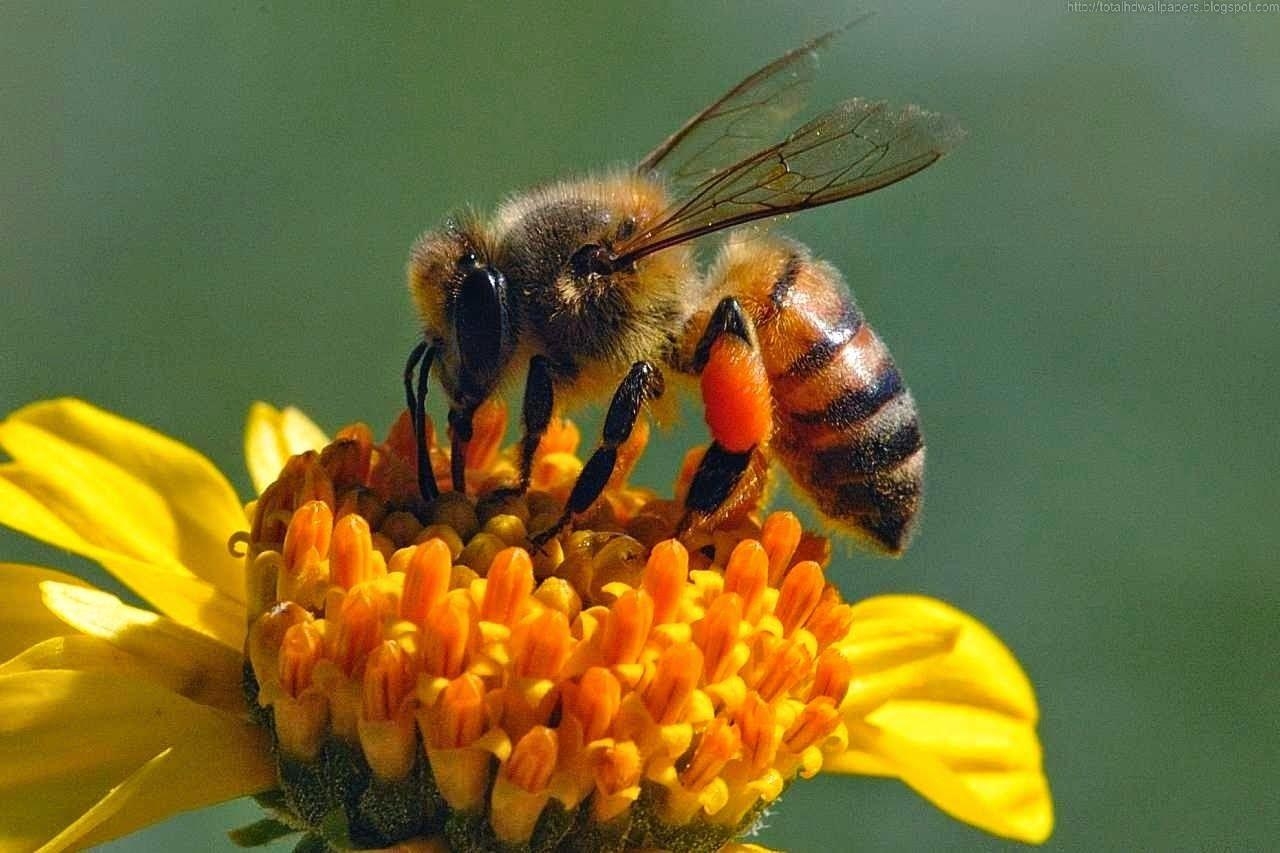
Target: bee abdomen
{"type": "Point", "coordinates": [846, 426]}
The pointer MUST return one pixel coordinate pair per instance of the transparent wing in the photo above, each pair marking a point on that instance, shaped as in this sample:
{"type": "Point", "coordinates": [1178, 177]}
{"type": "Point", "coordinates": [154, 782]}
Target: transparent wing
{"type": "Point", "coordinates": [750, 115]}
{"type": "Point", "coordinates": [855, 148]}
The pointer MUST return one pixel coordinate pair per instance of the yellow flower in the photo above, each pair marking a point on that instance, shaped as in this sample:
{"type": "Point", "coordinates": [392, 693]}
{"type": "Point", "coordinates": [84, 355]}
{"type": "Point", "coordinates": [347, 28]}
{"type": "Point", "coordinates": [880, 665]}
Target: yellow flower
{"type": "Point", "coordinates": [419, 670]}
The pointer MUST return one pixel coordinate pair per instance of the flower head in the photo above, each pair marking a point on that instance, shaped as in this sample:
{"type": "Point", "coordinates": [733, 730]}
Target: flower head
{"type": "Point", "coordinates": [423, 671]}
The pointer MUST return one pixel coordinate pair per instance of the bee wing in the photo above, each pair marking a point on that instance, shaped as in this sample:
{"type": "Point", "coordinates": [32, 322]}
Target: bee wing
{"type": "Point", "coordinates": [748, 116]}
{"type": "Point", "coordinates": [855, 148]}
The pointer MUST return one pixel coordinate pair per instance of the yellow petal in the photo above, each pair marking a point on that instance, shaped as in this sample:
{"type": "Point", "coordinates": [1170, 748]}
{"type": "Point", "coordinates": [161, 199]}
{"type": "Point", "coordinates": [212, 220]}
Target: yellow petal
{"type": "Point", "coordinates": [137, 643]}
{"type": "Point", "coordinates": [125, 488]}
{"type": "Point", "coordinates": [1003, 800]}
{"type": "Point", "coordinates": [68, 738]}
{"type": "Point", "coordinates": [963, 735]}
{"type": "Point", "coordinates": [891, 651]}
{"type": "Point", "coordinates": [272, 435]}
{"type": "Point", "coordinates": [77, 652]}
{"type": "Point", "coordinates": [25, 619]}
{"type": "Point", "coordinates": [104, 808]}
{"type": "Point", "coordinates": [978, 671]}
{"type": "Point", "coordinates": [172, 589]}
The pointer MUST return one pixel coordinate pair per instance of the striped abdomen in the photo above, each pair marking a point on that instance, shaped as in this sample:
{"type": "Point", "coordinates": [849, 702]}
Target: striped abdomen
{"type": "Point", "coordinates": [845, 425]}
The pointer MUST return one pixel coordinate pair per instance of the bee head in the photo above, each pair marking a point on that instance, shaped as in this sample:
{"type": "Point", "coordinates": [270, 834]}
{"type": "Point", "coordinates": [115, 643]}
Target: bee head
{"type": "Point", "coordinates": [482, 338]}
{"type": "Point", "coordinates": [465, 305]}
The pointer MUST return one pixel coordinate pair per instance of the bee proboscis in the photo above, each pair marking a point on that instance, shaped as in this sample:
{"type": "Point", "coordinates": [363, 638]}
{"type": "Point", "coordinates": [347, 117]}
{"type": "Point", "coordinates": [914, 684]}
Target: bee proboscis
{"type": "Point", "coordinates": [591, 284]}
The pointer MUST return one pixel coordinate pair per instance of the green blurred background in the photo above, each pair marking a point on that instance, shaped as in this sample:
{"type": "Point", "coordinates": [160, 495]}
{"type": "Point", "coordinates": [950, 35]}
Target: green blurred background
{"type": "Point", "coordinates": [203, 207]}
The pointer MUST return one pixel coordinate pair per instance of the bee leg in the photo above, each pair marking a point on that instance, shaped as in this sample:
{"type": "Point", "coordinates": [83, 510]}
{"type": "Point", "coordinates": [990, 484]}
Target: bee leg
{"type": "Point", "coordinates": [642, 383]}
{"type": "Point", "coordinates": [539, 398]}
{"type": "Point", "coordinates": [737, 403]}
{"type": "Point", "coordinates": [416, 399]}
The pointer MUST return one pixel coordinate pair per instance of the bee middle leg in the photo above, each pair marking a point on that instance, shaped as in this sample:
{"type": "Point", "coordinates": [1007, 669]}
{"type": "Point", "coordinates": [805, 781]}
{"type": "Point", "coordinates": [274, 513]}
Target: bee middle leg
{"type": "Point", "coordinates": [642, 383]}
{"type": "Point", "coordinates": [539, 399]}
{"type": "Point", "coordinates": [539, 402]}
{"type": "Point", "coordinates": [738, 408]}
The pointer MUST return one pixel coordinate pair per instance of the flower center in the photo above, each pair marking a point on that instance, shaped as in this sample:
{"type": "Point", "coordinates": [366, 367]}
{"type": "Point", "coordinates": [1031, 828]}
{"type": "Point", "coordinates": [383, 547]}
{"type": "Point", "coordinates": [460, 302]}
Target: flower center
{"type": "Point", "coordinates": [426, 671]}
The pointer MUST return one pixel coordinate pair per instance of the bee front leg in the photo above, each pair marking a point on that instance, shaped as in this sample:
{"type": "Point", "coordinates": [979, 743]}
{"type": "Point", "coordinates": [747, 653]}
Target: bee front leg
{"type": "Point", "coordinates": [416, 399]}
{"type": "Point", "coordinates": [738, 407]}
{"type": "Point", "coordinates": [642, 383]}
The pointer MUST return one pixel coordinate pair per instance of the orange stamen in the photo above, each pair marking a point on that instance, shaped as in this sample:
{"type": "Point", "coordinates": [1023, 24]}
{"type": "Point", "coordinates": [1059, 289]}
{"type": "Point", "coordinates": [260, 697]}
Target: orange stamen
{"type": "Point", "coordinates": [300, 650]}
{"type": "Point", "coordinates": [831, 676]}
{"type": "Point", "coordinates": [818, 719]}
{"type": "Point", "coordinates": [533, 759]}
{"type": "Point", "coordinates": [799, 595]}
{"type": "Point", "coordinates": [594, 701]}
{"type": "Point", "coordinates": [447, 635]}
{"type": "Point", "coordinates": [665, 576]}
{"type": "Point", "coordinates": [310, 530]}
{"type": "Point", "coordinates": [718, 745]}
{"type": "Point", "coordinates": [459, 717]}
{"type": "Point", "coordinates": [780, 536]}
{"type": "Point", "coordinates": [359, 629]}
{"type": "Point", "coordinates": [757, 724]}
{"type": "Point", "coordinates": [388, 679]}
{"type": "Point", "coordinates": [508, 585]}
{"type": "Point", "coordinates": [748, 575]}
{"type": "Point", "coordinates": [426, 579]}
{"type": "Point", "coordinates": [541, 645]}
{"type": "Point", "coordinates": [488, 425]}
{"type": "Point", "coordinates": [627, 627]}
{"type": "Point", "coordinates": [352, 553]}
{"type": "Point", "coordinates": [831, 619]}
{"type": "Point", "coordinates": [668, 694]}
{"type": "Point", "coordinates": [717, 635]}
{"type": "Point", "coordinates": [785, 666]}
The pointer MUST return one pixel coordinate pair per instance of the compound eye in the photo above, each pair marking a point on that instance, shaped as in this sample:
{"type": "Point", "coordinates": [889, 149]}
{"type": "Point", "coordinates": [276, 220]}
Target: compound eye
{"type": "Point", "coordinates": [591, 259]}
{"type": "Point", "coordinates": [481, 324]}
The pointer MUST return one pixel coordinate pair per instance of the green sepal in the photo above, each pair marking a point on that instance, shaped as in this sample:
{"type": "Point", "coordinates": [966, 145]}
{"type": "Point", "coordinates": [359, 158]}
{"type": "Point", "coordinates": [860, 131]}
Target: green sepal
{"type": "Point", "coordinates": [271, 800]}
{"type": "Point", "coordinates": [312, 843]}
{"type": "Point", "coordinates": [260, 832]}
{"type": "Point", "coordinates": [335, 831]}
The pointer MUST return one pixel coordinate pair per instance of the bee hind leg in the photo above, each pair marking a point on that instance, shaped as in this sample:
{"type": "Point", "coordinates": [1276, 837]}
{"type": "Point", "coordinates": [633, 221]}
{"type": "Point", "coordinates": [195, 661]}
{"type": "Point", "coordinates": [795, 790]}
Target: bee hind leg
{"type": "Point", "coordinates": [738, 407]}
{"type": "Point", "coordinates": [642, 383]}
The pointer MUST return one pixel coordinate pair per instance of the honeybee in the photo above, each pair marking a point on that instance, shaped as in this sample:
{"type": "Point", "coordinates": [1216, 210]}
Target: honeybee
{"type": "Point", "coordinates": [592, 283]}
